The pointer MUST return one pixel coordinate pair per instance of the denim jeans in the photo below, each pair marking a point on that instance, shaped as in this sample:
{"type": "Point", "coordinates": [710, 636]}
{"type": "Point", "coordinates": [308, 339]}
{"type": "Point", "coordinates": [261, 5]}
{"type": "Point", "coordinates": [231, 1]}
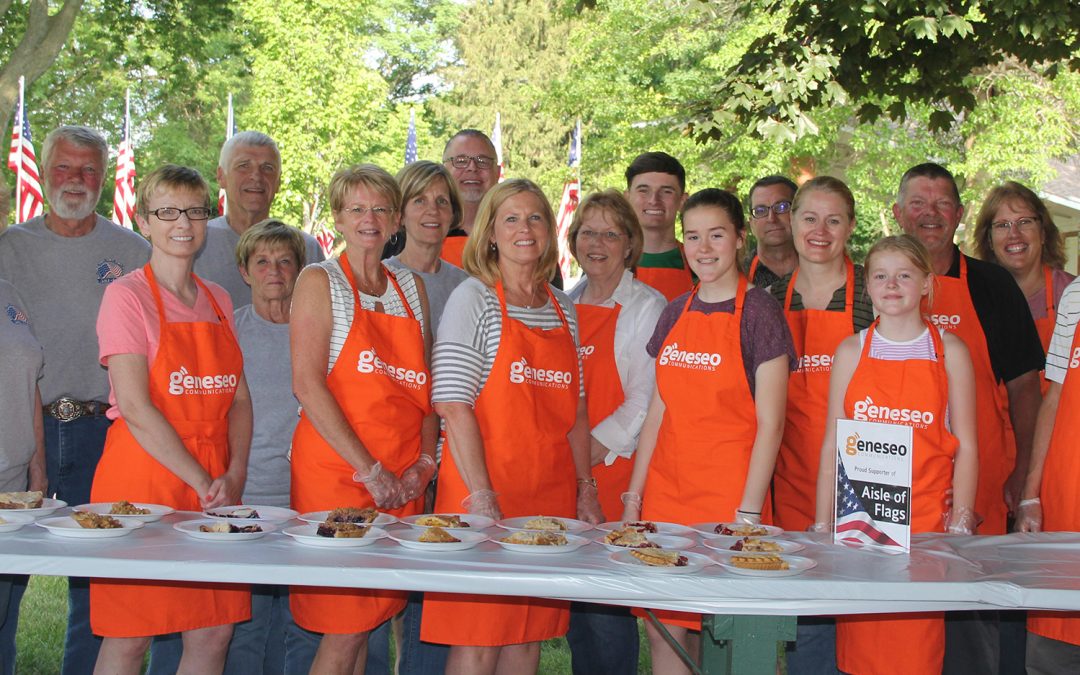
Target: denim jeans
{"type": "Point", "coordinates": [814, 649]}
{"type": "Point", "coordinates": [603, 639]}
{"type": "Point", "coordinates": [416, 657]}
{"type": "Point", "coordinates": [378, 651]}
{"type": "Point", "coordinates": [270, 642]}
{"type": "Point", "coordinates": [72, 451]}
{"type": "Point", "coordinates": [12, 587]}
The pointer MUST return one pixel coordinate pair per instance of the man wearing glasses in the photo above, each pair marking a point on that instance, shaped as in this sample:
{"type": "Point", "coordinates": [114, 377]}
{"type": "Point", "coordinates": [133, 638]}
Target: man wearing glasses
{"type": "Point", "coordinates": [770, 221]}
{"type": "Point", "coordinates": [469, 155]}
{"type": "Point", "coordinates": [249, 169]}
{"type": "Point", "coordinates": [61, 263]}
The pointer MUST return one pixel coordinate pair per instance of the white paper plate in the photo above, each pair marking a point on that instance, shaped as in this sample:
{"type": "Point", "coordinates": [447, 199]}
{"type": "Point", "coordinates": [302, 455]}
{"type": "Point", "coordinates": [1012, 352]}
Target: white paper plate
{"type": "Point", "coordinates": [14, 521]}
{"type": "Point", "coordinates": [573, 543]}
{"type": "Point", "coordinates": [710, 529]}
{"type": "Point", "coordinates": [65, 526]}
{"type": "Point", "coordinates": [724, 543]}
{"type": "Point", "coordinates": [667, 541]}
{"type": "Point", "coordinates": [320, 516]}
{"type": "Point", "coordinates": [191, 529]}
{"type": "Point", "coordinates": [661, 528]}
{"type": "Point", "coordinates": [572, 525]}
{"type": "Point", "coordinates": [411, 539]}
{"type": "Point", "coordinates": [307, 534]}
{"type": "Point", "coordinates": [267, 514]}
{"type": "Point", "coordinates": [798, 564]}
{"type": "Point", "coordinates": [157, 511]}
{"type": "Point", "coordinates": [475, 522]}
{"type": "Point", "coordinates": [47, 507]}
{"type": "Point", "coordinates": [694, 563]}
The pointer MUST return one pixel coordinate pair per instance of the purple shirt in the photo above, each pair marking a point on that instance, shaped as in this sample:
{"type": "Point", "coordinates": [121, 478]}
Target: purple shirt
{"type": "Point", "coordinates": [1037, 300]}
{"type": "Point", "coordinates": [764, 332]}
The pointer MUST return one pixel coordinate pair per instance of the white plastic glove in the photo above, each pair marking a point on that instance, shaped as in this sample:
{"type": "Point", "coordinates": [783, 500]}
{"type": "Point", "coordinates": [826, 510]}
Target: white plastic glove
{"type": "Point", "coordinates": [588, 504]}
{"type": "Point", "coordinates": [384, 487]}
{"type": "Point", "coordinates": [483, 503]}
{"type": "Point", "coordinates": [631, 506]}
{"type": "Point", "coordinates": [415, 479]}
{"type": "Point", "coordinates": [747, 517]}
{"type": "Point", "coordinates": [1029, 515]}
{"type": "Point", "coordinates": [961, 520]}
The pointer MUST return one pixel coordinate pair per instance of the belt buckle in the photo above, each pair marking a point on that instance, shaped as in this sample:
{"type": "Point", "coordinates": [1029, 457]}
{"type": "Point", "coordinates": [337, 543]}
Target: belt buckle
{"type": "Point", "coordinates": [66, 409]}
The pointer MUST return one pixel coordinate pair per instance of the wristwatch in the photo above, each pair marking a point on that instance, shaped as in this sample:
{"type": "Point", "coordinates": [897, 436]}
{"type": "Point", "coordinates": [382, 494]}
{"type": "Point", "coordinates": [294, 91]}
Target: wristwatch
{"type": "Point", "coordinates": [587, 481]}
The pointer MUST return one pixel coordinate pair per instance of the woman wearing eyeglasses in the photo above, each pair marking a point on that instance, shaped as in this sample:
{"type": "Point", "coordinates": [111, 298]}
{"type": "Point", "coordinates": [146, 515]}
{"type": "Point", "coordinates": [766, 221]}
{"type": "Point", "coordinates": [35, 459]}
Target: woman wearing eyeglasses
{"type": "Point", "coordinates": [162, 332]}
{"type": "Point", "coordinates": [1015, 230]}
{"type": "Point", "coordinates": [360, 342]}
{"type": "Point", "coordinates": [616, 317]}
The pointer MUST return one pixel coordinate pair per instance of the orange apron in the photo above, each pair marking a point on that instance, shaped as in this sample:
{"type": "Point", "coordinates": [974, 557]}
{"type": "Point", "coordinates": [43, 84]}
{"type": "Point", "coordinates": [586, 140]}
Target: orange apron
{"type": "Point", "coordinates": [1060, 503]}
{"type": "Point", "coordinates": [816, 334]}
{"type": "Point", "coordinates": [452, 249]}
{"type": "Point", "coordinates": [702, 455]}
{"type": "Point", "coordinates": [953, 311]}
{"type": "Point", "coordinates": [604, 393]}
{"type": "Point", "coordinates": [753, 269]}
{"type": "Point", "coordinates": [382, 384]}
{"type": "Point", "coordinates": [884, 644]}
{"type": "Point", "coordinates": [1045, 325]}
{"type": "Point", "coordinates": [127, 608]}
{"type": "Point", "coordinates": [523, 422]}
{"type": "Point", "coordinates": [668, 280]}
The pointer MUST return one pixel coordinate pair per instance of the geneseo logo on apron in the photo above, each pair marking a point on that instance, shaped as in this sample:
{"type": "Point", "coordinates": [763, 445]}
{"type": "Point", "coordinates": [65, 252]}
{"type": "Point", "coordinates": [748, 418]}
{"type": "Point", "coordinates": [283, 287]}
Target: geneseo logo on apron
{"type": "Point", "coordinates": [673, 356]}
{"type": "Point", "coordinates": [522, 373]}
{"type": "Point", "coordinates": [368, 361]}
{"type": "Point", "coordinates": [181, 382]}
{"type": "Point", "coordinates": [866, 411]}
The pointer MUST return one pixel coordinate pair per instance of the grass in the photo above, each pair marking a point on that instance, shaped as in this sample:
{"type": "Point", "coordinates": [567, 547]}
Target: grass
{"type": "Point", "coordinates": [43, 617]}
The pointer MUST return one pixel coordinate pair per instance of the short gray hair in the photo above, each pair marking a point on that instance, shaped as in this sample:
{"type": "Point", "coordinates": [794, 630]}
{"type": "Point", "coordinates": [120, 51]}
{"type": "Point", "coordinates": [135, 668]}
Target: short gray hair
{"type": "Point", "coordinates": [246, 138]}
{"type": "Point", "coordinates": [81, 136]}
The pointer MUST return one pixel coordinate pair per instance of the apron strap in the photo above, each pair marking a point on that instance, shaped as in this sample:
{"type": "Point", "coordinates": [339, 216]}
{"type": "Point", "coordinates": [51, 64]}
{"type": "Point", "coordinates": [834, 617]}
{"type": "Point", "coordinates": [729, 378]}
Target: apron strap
{"type": "Point", "coordinates": [346, 268]}
{"type": "Point", "coordinates": [753, 267]}
{"type": "Point", "coordinates": [1048, 275]}
{"type": "Point", "coordinates": [155, 291]}
{"type": "Point", "coordinates": [501, 293]}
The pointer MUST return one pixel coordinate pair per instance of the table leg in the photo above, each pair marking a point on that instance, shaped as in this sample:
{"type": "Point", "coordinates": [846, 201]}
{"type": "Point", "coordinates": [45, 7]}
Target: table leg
{"type": "Point", "coordinates": [743, 645]}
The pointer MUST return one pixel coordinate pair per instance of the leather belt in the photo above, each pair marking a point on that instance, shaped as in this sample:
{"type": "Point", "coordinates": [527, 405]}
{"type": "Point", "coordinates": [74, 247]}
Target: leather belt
{"type": "Point", "coordinates": [67, 409]}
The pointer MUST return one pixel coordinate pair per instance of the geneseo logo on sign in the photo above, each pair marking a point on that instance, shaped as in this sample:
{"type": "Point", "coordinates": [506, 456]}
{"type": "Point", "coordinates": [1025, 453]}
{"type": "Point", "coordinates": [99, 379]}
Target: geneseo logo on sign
{"type": "Point", "coordinates": [673, 356]}
{"type": "Point", "coordinates": [181, 382]}
{"type": "Point", "coordinates": [369, 362]}
{"type": "Point", "coordinates": [855, 444]}
{"type": "Point", "coordinates": [866, 411]}
{"type": "Point", "coordinates": [522, 373]}
{"type": "Point", "coordinates": [815, 363]}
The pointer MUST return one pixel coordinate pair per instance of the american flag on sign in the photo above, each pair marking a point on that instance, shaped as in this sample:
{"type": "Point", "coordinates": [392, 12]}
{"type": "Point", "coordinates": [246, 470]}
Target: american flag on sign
{"type": "Point", "coordinates": [124, 196]}
{"type": "Point", "coordinates": [410, 142]}
{"type": "Point", "coordinates": [21, 159]}
{"type": "Point", "coordinates": [569, 202]}
{"type": "Point", "coordinates": [853, 523]}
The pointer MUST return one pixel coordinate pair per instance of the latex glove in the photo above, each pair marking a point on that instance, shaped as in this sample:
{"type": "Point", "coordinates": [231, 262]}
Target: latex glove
{"type": "Point", "coordinates": [588, 504]}
{"type": "Point", "coordinates": [383, 486]}
{"type": "Point", "coordinates": [483, 503]}
{"type": "Point", "coordinates": [820, 527]}
{"type": "Point", "coordinates": [1029, 516]}
{"type": "Point", "coordinates": [747, 517]}
{"type": "Point", "coordinates": [631, 506]}
{"type": "Point", "coordinates": [961, 520]}
{"type": "Point", "coordinates": [415, 479]}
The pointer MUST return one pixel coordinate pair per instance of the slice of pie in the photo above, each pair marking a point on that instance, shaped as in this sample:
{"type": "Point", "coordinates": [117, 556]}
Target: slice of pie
{"type": "Point", "coordinates": [536, 538]}
{"type": "Point", "coordinates": [759, 562]}
{"type": "Point", "coordinates": [21, 500]}
{"type": "Point", "coordinates": [228, 528]}
{"type": "Point", "coordinates": [437, 535]}
{"type": "Point", "coordinates": [545, 523]}
{"type": "Point", "coordinates": [658, 557]}
{"type": "Point", "coordinates": [94, 521]}
{"type": "Point", "coordinates": [750, 544]}
{"type": "Point", "coordinates": [126, 508]}
{"type": "Point", "coordinates": [351, 514]}
{"type": "Point", "coordinates": [342, 530]}
{"type": "Point", "coordinates": [441, 520]}
{"type": "Point", "coordinates": [628, 538]}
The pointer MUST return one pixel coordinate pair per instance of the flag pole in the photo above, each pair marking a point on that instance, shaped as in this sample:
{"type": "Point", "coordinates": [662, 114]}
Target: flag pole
{"type": "Point", "coordinates": [19, 126]}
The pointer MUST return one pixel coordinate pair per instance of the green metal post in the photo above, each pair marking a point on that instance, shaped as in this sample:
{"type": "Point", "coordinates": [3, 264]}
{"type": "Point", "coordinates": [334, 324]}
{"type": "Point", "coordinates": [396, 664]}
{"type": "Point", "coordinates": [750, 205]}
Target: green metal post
{"type": "Point", "coordinates": [743, 645]}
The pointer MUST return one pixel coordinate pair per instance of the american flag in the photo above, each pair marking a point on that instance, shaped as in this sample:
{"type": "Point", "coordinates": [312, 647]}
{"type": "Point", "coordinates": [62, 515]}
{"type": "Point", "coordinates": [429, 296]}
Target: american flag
{"type": "Point", "coordinates": [410, 142]}
{"type": "Point", "coordinates": [28, 197]}
{"type": "Point", "coordinates": [326, 237]}
{"type": "Point", "coordinates": [496, 140]}
{"type": "Point", "coordinates": [568, 204]}
{"type": "Point", "coordinates": [230, 129]}
{"type": "Point", "coordinates": [853, 523]}
{"type": "Point", "coordinates": [124, 196]}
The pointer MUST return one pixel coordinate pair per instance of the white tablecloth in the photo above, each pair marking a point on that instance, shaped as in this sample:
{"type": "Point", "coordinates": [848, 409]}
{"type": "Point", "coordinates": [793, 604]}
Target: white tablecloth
{"type": "Point", "coordinates": [941, 573]}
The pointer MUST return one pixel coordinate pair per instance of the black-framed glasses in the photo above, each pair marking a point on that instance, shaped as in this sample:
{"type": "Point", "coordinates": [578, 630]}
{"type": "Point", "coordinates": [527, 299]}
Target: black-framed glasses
{"type": "Point", "coordinates": [171, 213]}
{"type": "Point", "coordinates": [762, 211]}
{"type": "Point", "coordinates": [1025, 225]}
{"type": "Point", "coordinates": [462, 161]}
{"type": "Point", "coordinates": [376, 211]}
{"type": "Point", "coordinates": [609, 237]}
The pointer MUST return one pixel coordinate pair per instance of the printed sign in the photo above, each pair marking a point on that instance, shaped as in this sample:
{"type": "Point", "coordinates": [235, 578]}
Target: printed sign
{"type": "Point", "coordinates": [873, 484]}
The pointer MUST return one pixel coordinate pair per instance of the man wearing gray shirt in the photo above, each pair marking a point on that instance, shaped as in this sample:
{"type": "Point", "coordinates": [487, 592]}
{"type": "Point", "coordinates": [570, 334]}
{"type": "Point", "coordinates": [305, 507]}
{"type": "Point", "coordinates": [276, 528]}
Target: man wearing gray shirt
{"type": "Point", "coordinates": [249, 168]}
{"type": "Point", "coordinates": [61, 263]}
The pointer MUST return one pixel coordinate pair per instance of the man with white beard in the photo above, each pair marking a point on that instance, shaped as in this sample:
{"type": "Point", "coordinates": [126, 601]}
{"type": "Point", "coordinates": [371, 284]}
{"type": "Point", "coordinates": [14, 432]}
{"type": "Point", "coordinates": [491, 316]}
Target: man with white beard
{"type": "Point", "coordinates": [61, 264]}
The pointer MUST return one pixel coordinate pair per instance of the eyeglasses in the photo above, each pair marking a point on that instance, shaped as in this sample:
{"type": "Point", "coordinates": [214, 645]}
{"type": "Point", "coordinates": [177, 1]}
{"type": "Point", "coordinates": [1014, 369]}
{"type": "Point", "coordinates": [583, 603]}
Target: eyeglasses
{"type": "Point", "coordinates": [169, 213]}
{"type": "Point", "coordinates": [1025, 225]}
{"type": "Point", "coordinates": [762, 211]}
{"type": "Point", "coordinates": [379, 212]}
{"type": "Point", "coordinates": [609, 237]}
{"type": "Point", "coordinates": [462, 161]}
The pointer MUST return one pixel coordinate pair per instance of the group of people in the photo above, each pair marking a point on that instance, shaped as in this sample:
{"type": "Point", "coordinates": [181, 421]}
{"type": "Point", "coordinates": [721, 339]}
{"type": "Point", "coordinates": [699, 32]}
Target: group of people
{"type": "Point", "coordinates": [677, 381]}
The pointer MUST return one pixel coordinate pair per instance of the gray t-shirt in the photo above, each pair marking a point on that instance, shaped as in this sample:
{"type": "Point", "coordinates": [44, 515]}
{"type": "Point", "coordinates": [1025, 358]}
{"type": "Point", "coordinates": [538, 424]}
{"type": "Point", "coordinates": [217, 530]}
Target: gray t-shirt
{"type": "Point", "coordinates": [439, 286]}
{"type": "Point", "coordinates": [20, 368]}
{"type": "Point", "coordinates": [265, 346]}
{"type": "Point", "coordinates": [217, 260]}
{"type": "Point", "coordinates": [62, 279]}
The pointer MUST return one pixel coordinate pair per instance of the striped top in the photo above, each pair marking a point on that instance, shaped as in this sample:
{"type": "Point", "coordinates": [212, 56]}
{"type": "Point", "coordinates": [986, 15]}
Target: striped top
{"type": "Point", "coordinates": [342, 301]}
{"type": "Point", "coordinates": [1060, 352]}
{"type": "Point", "coordinates": [469, 336]}
{"type": "Point", "coordinates": [862, 310]}
{"type": "Point", "coordinates": [921, 347]}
